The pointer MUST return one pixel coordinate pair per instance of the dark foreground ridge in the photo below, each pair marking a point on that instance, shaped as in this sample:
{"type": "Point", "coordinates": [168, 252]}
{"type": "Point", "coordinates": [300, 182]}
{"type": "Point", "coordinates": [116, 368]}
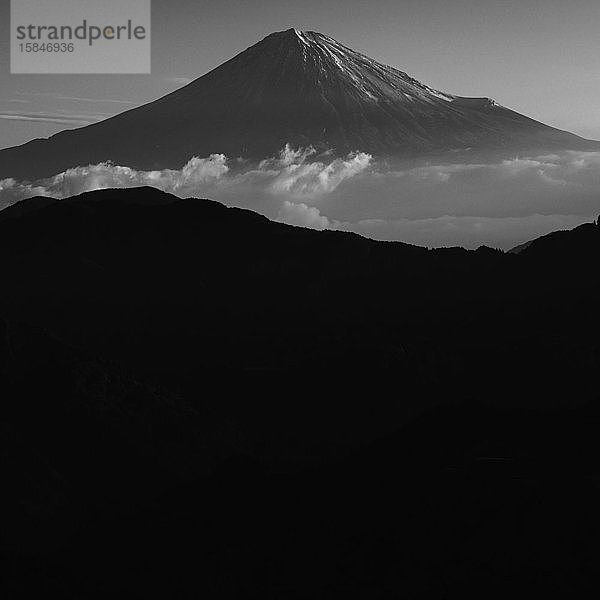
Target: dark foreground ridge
{"type": "Point", "coordinates": [198, 402]}
{"type": "Point", "coordinates": [298, 87]}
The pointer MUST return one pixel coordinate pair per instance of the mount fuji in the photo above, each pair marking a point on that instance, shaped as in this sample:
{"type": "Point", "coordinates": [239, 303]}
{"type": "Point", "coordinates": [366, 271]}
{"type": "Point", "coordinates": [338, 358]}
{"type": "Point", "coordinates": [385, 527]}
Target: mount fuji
{"type": "Point", "coordinates": [294, 87]}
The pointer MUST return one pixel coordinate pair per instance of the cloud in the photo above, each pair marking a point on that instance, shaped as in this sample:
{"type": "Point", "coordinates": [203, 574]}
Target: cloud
{"type": "Point", "coordinates": [59, 96]}
{"type": "Point", "coordinates": [193, 175]}
{"type": "Point", "coordinates": [470, 232]}
{"type": "Point", "coordinates": [183, 182]}
{"type": "Point", "coordinates": [98, 100]}
{"type": "Point", "coordinates": [471, 202]}
{"type": "Point", "coordinates": [60, 118]}
{"type": "Point", "coordinates": [565, 183]}
{"type": "Point", "coordinates": [304, 216]}
{"type": "Point", "coordinates": [299, 178]}
{"type": "Point", "coordinates": [12, 191]}
{"type": "Point", "coordinates": [80, 116]}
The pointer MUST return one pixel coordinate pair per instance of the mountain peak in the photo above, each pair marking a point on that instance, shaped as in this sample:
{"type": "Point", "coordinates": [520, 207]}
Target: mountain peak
{"type": "Point", "coordinates": [291, 32]}
{"type": "Point", "coordinates": [298, 37]}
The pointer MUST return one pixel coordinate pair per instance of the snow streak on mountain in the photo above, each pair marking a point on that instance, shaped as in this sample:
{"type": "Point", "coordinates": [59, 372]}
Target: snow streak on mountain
{"type": "Point", "coordinates": [297, 87]}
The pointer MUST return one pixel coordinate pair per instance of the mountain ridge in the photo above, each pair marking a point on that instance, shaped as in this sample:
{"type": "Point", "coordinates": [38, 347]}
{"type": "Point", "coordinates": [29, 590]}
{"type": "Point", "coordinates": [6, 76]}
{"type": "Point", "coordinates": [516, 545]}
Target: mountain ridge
{"type": "Point", "coordinates": [146, 196]}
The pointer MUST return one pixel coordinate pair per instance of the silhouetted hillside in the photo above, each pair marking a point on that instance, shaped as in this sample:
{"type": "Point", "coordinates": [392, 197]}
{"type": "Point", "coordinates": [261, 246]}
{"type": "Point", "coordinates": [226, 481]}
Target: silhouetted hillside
{"type": "Point", "coordinates": [197, 401]}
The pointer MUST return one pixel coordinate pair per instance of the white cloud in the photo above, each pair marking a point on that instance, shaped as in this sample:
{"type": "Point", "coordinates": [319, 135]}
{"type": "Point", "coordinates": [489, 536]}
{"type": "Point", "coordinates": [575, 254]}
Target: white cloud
{"type": "Point", "coordinates": [302, 215]}
{"type": "Point", "coordinates": [58, 117]}
{"type": "Point", "coordinates": [299, 178]}
{"type": "Point", "coordinates": [195, 173]}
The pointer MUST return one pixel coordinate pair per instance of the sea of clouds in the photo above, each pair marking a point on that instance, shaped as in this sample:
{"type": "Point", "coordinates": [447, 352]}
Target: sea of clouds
{"type": "Point", "coordinates": [450, 201]}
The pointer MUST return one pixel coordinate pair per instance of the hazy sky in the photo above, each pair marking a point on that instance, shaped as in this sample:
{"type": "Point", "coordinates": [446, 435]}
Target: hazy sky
{"type": "Point", "coordinates": [539, 57]}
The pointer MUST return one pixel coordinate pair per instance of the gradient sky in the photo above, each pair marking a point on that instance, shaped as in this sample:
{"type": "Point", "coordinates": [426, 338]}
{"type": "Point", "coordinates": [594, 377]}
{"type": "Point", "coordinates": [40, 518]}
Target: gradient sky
{"type": "Point", "coordinates": [539, 57]}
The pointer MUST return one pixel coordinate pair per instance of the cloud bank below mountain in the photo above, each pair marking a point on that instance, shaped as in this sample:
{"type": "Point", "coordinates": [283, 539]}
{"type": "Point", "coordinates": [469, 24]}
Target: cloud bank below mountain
{"type": "Point", "coordinates": [451, 202]}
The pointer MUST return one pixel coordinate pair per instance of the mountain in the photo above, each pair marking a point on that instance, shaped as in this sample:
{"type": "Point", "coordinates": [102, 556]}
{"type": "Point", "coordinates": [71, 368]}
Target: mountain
{"type": "Point", "coordinates": [569, 247]}
{"type": "Point", "coordinates": [200, 402]}
{"type": "Point", "coordinates": [296, 87]}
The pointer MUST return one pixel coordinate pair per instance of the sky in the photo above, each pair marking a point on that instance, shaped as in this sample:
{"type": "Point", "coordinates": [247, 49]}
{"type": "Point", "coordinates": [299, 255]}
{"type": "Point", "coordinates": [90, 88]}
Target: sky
{"type": "Point", "coordinates": [539, 57]}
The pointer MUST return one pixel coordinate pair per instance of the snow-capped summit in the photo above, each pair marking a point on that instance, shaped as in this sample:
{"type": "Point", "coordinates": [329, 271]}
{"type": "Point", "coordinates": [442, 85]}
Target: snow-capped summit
{"type": "Point", "coordinates": [293, 87]}
{"type": "Point", "coordinates": [334, 62]}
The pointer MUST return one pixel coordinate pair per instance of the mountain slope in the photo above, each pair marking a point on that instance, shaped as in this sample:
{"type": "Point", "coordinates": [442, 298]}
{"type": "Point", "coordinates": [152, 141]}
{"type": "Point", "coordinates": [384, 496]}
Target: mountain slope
{"type": "Point", "coordinates": [302, 88]}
